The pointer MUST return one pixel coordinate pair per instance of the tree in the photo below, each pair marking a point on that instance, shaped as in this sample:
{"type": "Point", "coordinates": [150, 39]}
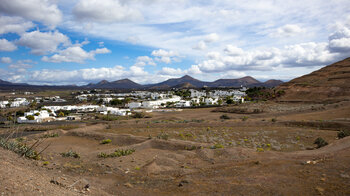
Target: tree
{"type": "Point", "coordinates": [30, 117]}
{"type": "Point", "coordinates": [229, 101]}
{"type": "Point", "coordinates": [61, 114]}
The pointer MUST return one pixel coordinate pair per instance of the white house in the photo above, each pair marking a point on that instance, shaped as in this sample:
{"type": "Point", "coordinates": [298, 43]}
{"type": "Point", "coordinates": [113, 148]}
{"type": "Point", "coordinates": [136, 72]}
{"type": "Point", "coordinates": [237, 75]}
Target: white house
{"type": "Point", "coordinates": [133, 105]}
{"type": "Point", "coordinates": [39, 116]}
{"type": "Point", "coordinates": [19, 102]}
{"type": "Point", "coordinates": [157, 103]}
{"type": "Point", "coordinates": [115, 111]}
{"type": "Point", "coordinates": [183, 103]}
{"type": "Point", "coordinates": [211, 101]}
{"type": "Point", "coordinates": [195, 93]}
{"type": "Point", "coordinates": [3, 104]}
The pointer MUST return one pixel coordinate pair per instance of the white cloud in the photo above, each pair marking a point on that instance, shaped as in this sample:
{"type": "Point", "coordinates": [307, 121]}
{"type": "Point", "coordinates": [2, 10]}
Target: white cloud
{"type": "Point", "coordinates": [14, 25]}
{"type": "Point", "coordinates": [288, 30]}
{"type": "Point", "coordinates": [74, 54]}
{"type": "Point", "coordinates": [6, 60]}
{"type": "Point", "coordinates": [339, 41]}
{"type": "Point", "coordinates": [42, 43]}
{"type": "Point", "coordinates": [107, 11]}
{"type": "Point", "coordinates": [7, 46]}
{"type": "Point", "coordinates": [38, 10]}
{"type": "Point", "coordinates": [171, 71]}
{"type": "Point", "coordinates": [233, 50]}
{"type": "Point", "coordinates": [22, 64]}
{"type": "Point", "coordinates": [144, 60]}
{"type": "Point", "coordinates": [165, 56]}
{"type": "Point", "coordinates": [200, 46]}
{"type": "Point", "coordinates": [213, 37]}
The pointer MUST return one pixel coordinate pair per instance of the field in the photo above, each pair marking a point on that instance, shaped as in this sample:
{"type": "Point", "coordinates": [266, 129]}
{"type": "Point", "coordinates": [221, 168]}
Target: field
{"type": "Point", "coordinates": [264, 148]}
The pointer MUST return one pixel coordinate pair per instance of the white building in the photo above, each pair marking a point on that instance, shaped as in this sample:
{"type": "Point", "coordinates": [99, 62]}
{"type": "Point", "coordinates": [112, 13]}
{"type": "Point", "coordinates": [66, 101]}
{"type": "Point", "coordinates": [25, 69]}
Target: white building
{"type": "Point", "coordinates": [19, 102]}
{"type": "Point", "coordinates": [183, 103]}
{"type": "Point", "coordinates": [211, 101]}
{"type": "Point", "coordinates": [39, 116]}
{"type": "Point", "coordinates": [195, 93]}
{"type": "Point", "coordinates": [3, 104]}
{"type": "Point", "coordinates": [157, 103]}
{"type": "Point", "coordinates": [133, 105]}
{"type": "Point", "coordinates": [115, 111]}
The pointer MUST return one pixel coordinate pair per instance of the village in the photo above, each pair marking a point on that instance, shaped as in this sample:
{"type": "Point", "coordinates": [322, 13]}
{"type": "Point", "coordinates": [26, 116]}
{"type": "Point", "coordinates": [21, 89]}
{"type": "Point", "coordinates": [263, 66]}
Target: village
{"type": "Point", "coordinates": [53, 108]}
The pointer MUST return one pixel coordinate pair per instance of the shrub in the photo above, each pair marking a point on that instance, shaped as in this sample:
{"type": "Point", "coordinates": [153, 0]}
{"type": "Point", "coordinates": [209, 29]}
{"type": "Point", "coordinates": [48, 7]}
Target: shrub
{"type": "Point", "coordinates": [70, 153]}
{"type": "Point", "coordinates": [19, 148]}
{"type": "Point", "coordinates": [259, 149]}
{"type": "Point", "coordinates": [224, 116]}
{"type": "Point", "coordinates": [46, 163]}
{"type": "Point", "coordinates": [163, 136]}
{"type": "Point", "coordinates": [244, 118]}
{"type": "Point", "coordinates": [139, 115]}
{"type": "Point", "coordinates": [320, 142]}
{"type": "Point", "coordinates": [116, 153]}
{"type": "Point", "coordinates": [30, 117]}
{"type": "Point", "coordinates": [217, 146]}
{"type": "Point", "coordinates": [106, 141]}
{"type": "Point", "coordinates": [273, 120]}
{"type": "Point", "coordinates": [343, 133]}
{"type": "Point", "coordinates": [50, 135]}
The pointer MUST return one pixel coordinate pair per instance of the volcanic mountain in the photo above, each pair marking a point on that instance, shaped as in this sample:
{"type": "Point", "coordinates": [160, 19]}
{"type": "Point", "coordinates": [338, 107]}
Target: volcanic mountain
{"type": "Point", "coordinates": [118, 84]}
{"type": "Point", "coordinates": [330, 83]}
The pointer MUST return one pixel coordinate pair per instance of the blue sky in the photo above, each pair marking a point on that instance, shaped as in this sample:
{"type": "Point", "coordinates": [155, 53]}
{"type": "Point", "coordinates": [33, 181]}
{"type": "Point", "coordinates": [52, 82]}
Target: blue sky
{"type": "Point", "coordinates": [148, 41]}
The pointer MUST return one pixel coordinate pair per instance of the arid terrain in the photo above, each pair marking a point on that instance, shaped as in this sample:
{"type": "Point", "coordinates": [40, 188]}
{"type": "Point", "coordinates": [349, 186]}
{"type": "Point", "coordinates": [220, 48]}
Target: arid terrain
{"type": "Point", "coordinates": [192, 152]}
{"type": "Point", "coordinates": [282, 146]}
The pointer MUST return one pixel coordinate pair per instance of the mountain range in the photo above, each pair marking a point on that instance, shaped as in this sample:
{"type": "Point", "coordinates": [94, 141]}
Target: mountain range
{"type": "Point", "coordinates": [124, 84]}
{"type": "Point", "coordinates": [185, 82]}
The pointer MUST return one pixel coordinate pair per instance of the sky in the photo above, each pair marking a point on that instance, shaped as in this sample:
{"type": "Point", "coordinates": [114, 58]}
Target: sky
{"type": "Point", "coordinates": [61, 42]}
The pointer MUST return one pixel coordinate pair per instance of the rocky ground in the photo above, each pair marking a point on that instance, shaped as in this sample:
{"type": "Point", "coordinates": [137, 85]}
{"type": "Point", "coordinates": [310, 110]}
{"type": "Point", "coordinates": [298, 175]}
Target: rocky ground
{"type": "Point", "coordinates": [192, 152]}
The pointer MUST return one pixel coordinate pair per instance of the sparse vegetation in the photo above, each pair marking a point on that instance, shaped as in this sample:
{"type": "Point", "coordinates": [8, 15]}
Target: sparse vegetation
{"type": "Point", "coordinates": [50, 135]}
{"type": "Point", "coordinates": [224, 116]}
{"type": "Point", "coordinates": [70, 153]}
{"type": "Point", "coordinates": [216, 146]}
{"type": "Point", "coordinates": [320, 142]}
{"type": "Point", "coordinates": [116, 153]}
{"type": "Point", "coordinates": [343, 133]}
{"type": "Point", "coordinates": [163, 136]}
{"type": "Point", "coordinates": [20, 148]}
{"type": "Point", "coordinates": [244, 118]}
{"type": "Point", "coordinates": [106, 141]}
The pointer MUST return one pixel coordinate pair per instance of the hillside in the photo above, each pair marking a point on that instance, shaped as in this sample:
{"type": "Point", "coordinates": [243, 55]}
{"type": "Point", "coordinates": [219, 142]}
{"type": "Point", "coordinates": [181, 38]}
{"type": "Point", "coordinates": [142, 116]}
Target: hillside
{"type": "Point", "coordinates": [331, 83]}
{"type": "Point", "coordinates": [118, 84]}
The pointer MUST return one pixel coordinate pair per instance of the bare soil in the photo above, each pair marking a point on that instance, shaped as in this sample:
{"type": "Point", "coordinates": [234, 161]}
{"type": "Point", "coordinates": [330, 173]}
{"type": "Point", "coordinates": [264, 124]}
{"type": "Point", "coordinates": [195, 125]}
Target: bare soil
{"type": "Point", "coordinates": [193, 152]}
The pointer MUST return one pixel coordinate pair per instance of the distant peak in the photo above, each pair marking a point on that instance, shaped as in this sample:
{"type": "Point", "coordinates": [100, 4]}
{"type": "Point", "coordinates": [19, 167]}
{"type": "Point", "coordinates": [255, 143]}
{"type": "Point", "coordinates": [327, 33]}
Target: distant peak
{"type": "Point", "coordinates": [186, 77]}
{"type": "Point", "coordinates": [103, 82]}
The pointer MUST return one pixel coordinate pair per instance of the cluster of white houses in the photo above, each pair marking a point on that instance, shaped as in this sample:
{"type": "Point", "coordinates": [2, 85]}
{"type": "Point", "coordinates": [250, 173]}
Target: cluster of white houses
{"type": "Point", "coordinates": [140, 99]}
{"type": "Point", "coordinates": [152, 100]}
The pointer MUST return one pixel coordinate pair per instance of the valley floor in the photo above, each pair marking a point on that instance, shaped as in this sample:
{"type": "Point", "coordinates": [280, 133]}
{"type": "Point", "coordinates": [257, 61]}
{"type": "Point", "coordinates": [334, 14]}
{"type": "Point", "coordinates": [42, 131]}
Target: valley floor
{"type": "Point", "coordinates": [193, 152]}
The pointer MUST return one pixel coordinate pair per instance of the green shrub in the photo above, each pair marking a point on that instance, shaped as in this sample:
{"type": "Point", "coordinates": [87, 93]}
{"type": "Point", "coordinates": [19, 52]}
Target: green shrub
{"type": "Point", "coordinates": [224, 116]}
{"type": "Point", "coordinates": [50, 135]}
{"type": "Point", "coordinates": [106, 141]}
{"type": "Point", "coordinates": [273, 120]}
{"type": "Point", "coordinates": [116, 153]}
{"type": "Point", "coordinates": [244, 118]}
{"type": "Point", "coordinates": [46, 163]}
{"type": "Point", "coordinates": [320, 142]}
{"type": "Point", "coordinates": [30, 117]}
{"type": "Point", "coordinates": [141, 115]}
{"type": "Point", "coordinates": [343, 133]}
{"type": "Point", "coordinates": [19, 148]}
{"type": "Point", "coordinates": [217, 146]}
{"type": "Point", "coordinates": [70, 153]}
{"type": "Point", "coordinates": [163, 136]}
